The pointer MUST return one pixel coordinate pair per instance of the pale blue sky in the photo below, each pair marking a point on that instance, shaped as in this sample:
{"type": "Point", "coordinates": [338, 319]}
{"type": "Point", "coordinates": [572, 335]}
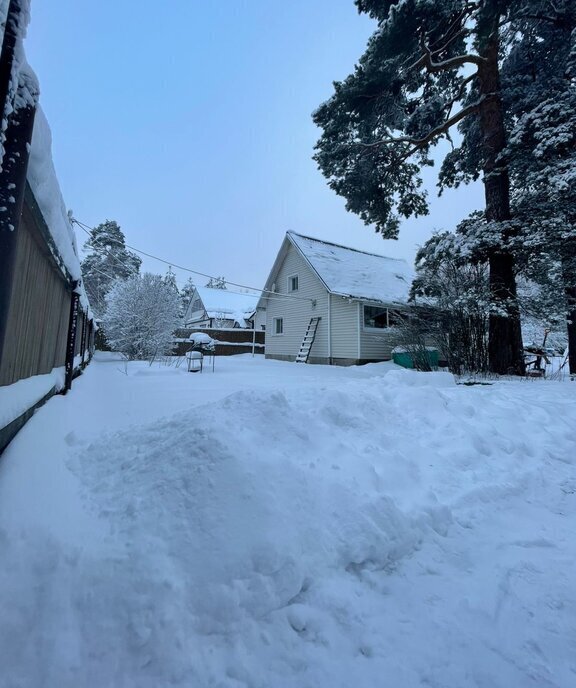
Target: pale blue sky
{"type": "Point", "coordinates": [189, 123]}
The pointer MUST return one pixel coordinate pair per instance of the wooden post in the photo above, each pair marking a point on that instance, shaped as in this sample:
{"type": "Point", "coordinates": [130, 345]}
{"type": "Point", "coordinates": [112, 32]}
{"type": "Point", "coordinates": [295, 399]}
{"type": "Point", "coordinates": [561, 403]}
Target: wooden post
{"type": "Point", "coordinates": [14, 165]}
{"type": "Point", "coordinates": [71, 343]}
{"type": "Point", "coordinates": [83, 336]}
{"type": "Point", "coordinates": [12, 187]}
{"type": "Point", "coordinates": [7, 56]}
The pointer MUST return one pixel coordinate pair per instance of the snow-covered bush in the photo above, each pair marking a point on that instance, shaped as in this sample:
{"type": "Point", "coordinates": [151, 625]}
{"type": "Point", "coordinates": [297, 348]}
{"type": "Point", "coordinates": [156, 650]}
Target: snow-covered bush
{"type": "Point", "coordinates": [141, 316]}
{"type": "Point", "coordinates": [454, 298]}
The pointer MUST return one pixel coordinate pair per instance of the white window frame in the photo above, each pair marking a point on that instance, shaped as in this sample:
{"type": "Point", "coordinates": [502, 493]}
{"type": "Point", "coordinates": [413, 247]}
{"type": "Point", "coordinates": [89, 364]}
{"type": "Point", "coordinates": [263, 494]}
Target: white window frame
{"type": "Point", "coordinates": [289, 283]}
{"type": "Point", "coordinates": [275, 322]}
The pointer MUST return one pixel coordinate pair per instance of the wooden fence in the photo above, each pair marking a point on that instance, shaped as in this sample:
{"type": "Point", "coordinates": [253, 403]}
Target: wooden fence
{"type": "Point", "coordinates": [40, 311]}
{"type": "Point", "coordinates": [46, 328]}
{"type": "Point", "coordinates": [229, 341]}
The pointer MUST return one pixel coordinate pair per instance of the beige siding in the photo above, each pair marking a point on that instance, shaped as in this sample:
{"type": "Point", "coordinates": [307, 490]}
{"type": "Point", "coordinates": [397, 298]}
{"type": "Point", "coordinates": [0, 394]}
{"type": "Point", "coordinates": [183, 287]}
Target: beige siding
{"type": "Point", "coordinates": [259, 320]}
{"type": "Point", "coordinates": [296, 313]}
{"type": "Point", "coordinates": [344, 319]}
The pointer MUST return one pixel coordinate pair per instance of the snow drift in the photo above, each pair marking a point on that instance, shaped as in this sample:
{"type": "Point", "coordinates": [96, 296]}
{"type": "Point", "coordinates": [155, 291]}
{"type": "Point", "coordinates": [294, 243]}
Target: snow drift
{"type": "Point", "coordinates": [397, 531]}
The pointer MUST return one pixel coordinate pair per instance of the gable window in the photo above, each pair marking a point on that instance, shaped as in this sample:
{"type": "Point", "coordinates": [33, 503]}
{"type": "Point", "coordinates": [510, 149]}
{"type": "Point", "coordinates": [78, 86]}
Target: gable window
{"type": "Point", "coordinates": [378, 318]}
{"type": "Point", "coordinates": [293, 283]}
{"type": "Point", "coordinates": [278, 325]}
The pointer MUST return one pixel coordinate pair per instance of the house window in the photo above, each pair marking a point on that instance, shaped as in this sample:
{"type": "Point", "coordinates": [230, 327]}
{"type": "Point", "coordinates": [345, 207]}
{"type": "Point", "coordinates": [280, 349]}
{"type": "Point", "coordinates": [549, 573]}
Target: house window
{"type": "Point", "coordinates": [278, 325]}
{"type": "Point", "coordinates": [196, 305]}
{"type": "Point", "coordinates": [293, 283]}
{"type": "Point", "coordinates": [375, 317]}
{"type": "Point", "coordinates": [395, 318]}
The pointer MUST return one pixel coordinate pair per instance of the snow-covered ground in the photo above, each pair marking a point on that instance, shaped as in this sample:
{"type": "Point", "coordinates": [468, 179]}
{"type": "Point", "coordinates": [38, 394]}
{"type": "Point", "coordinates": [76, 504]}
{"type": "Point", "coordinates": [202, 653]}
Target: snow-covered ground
{"type": "Point", "coordinates": [276, 525]}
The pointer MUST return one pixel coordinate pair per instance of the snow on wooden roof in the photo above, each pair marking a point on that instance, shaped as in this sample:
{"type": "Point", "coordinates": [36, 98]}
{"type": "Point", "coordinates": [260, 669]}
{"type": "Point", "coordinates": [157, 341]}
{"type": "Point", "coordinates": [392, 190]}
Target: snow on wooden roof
{"type": "Point", "coordinates": [44, 184]}
{"type": "Point", "coordinates": [357, 274]}
{"type": "Point", "coordinates": [229, 305]}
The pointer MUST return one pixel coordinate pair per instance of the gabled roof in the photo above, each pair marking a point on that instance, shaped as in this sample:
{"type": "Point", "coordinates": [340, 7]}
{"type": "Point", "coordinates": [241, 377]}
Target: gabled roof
{"type": "Point", "coordinates": [351, 273]}
{"type": "Point", "coordinates": [228, 305]}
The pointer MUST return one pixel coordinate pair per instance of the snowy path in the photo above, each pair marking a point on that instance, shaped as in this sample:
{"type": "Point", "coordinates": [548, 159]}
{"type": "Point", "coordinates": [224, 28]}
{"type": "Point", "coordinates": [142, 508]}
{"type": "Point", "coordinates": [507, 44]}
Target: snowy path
{"type": "Point", "coordinates": [274, 525]}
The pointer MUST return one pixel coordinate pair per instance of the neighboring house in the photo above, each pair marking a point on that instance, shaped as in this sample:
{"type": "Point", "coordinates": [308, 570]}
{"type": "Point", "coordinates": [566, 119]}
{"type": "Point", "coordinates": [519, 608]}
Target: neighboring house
{"type": "Point", "coordinates": [355, 295]}
{"type": "Point", "coordinates": [220, 308]}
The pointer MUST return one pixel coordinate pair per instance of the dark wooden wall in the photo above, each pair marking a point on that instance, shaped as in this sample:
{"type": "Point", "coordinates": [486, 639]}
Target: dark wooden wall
{"type": "Point", "coordinates": [39, 313]}
{"type": "Point", "coordinates": [229, 342]}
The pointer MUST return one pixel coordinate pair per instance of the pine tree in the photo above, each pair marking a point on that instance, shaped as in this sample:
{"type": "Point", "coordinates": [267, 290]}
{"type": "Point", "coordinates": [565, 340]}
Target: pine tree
{"type": "Point", "coordinates": [108, 260]}
{"type": "Point", "coordinates": [186, 294]}
{"type": "Point", "coordinates": [431, 65]}
{"type": "Point", "coordinates": [217, 283]}
{"type": "Point", "coordinates": [170, 282]}
{"type": "Point", "coordinates": [540, 81]}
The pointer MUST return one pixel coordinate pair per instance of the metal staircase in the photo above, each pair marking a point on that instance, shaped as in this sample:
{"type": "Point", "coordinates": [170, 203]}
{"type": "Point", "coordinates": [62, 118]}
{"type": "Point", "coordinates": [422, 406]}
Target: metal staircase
{"type": "Point", "coordinates": [308, 340]}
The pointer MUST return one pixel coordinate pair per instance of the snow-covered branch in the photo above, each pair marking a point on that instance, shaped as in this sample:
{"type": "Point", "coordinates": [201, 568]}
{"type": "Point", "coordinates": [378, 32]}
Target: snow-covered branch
{"type": "Point", "coordinates": [432, 134]}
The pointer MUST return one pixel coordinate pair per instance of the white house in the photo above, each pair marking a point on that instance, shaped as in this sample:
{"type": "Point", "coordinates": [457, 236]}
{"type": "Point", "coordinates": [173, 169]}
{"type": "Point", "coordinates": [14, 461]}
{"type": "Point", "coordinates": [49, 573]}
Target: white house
{"type": "Point", "coordinates": [326, 303]}
{"type": "Point", "coordinates": [220, 308]}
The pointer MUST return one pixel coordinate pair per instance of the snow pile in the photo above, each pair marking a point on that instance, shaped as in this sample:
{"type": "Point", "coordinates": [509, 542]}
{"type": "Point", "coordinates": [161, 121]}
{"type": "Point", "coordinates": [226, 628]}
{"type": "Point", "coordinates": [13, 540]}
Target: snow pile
{"type": "Point", "coordinates": [394, 531]}
{"type": "Point", "coordinates": [17, 398]}
{"type": "Point", "coordinates": [349, 272]}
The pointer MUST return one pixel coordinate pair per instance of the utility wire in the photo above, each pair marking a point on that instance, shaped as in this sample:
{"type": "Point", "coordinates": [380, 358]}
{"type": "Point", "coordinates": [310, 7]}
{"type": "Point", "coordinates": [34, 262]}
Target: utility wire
{"type": "Point", "coordinates": [89, 230]}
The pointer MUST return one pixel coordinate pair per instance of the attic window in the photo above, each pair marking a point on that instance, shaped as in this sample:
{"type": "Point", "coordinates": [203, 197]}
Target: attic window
{"type": "Point", "coordinates": [293, 283]}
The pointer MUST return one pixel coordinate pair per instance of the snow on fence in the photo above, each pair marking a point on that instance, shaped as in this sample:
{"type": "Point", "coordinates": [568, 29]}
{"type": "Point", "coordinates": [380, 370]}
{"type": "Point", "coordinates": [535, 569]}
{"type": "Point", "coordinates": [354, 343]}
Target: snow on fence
{"type": "Point", "coordinates": [46, 327]}
{"type": "Point", "coordinates": [229, 341]}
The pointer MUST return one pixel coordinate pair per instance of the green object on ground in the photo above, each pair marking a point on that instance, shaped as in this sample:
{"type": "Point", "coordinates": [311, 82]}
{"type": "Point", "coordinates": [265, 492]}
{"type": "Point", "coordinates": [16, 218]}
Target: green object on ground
{"type": "Point", "coordinates": [406, 359]}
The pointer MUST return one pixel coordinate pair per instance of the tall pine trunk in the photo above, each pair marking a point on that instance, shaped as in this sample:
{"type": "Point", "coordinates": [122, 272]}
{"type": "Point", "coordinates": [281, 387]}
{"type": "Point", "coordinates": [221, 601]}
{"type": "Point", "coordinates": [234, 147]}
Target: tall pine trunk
{"type": "Point", "coordinates": [505, 336]}
{"type": "Point", "coordinates": [569, 278]}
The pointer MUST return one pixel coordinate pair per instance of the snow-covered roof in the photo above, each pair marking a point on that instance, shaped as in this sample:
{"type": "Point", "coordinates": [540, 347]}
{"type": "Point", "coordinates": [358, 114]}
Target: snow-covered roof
{"type": "Point", "coordinates": [356, 274]}
{"type": "Point", "coordinates": [228, 305]}
{"type": "Point", "coordinates": [41, 176]}
{"type": "Point", "coordinates": [44, 184]}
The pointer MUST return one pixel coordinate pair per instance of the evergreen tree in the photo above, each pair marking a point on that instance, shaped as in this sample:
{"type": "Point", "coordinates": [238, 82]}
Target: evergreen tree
{"type": "Point", "coordinates": [540, 80]}
{"type": "Point", "coordinates": [431, 65]}
{"type": "Point", "coordinates": [217, 283]}
{"type": "Point", "coordinates": [538, 89]}
{"type": "Point", "coordinates": [186, 294]}
{"type": "Point", "coordinates": [170, 282]}
{"type": "Point", "coordinates": [108, 260]}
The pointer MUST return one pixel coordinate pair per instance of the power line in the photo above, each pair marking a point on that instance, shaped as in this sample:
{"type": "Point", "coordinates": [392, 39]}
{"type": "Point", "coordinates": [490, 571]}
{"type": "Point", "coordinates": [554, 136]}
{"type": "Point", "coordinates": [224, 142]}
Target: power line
{"type": "Point", "coordinates": [88, 230]}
